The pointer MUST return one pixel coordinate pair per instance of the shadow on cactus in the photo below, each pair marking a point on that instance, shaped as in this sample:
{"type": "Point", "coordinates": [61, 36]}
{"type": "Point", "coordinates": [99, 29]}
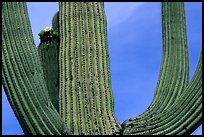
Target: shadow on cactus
{"type": "Point", "coordinates": [64, 86]}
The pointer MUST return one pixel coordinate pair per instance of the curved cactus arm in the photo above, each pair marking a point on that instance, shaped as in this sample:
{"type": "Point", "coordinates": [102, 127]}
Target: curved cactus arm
{"type": "Point", "coordinates": [183, 117]}
{"type": "Point", "coordinates": [23, 75]}
{"type": "Point", "coordinates": [187, 110]}
{"type": "Point", "coordinates": [174, 71]}
{"type": "Point", "coordinates": [175, 50]}
{"type": "Point", "coordinates": [169, 108]}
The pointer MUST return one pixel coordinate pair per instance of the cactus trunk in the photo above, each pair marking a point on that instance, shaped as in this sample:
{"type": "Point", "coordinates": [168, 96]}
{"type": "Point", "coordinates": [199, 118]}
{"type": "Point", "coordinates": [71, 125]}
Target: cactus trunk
{"type": "Point", "coordinates": [86, 100]}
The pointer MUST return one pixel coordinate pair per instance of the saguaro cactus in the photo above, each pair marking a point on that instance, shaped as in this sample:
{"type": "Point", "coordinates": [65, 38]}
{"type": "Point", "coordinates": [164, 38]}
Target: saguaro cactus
{"type": "Point", "coordinates": [49, 52]}
{"type": "Point", "coordinates": [64, 86]}
{"type": "Point", "coordinates": [86, 102]}
{"type": "Point", "coordinates": [22, 75]}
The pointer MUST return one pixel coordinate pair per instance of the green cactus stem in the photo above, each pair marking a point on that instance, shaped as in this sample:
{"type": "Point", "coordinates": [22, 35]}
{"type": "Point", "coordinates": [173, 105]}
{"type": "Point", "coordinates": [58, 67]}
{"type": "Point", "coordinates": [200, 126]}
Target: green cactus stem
{"type": "Point", "coordinates": [23, 75]}
{"type": "Point", "coordinates": [172, 104]}
{"type": "Point", "coordinates": [49, 54]}
{"type": "Point", "coordinates": [55, 22]}
{"type": "Point", "coordinates": [174, 71]}
{"type": "Point", "coordinates": [86, 101]}
{"type": "Point", "coordinates": [182, 117]}
{"type": "Point", "coordinates": [64, 86]}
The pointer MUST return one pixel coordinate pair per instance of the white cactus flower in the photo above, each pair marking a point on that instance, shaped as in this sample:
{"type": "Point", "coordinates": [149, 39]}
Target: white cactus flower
{"type": "Point", "coordinates": [47, 29]}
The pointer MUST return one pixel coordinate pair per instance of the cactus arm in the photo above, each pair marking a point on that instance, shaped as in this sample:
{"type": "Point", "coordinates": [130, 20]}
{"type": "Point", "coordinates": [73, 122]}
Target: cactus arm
{"type": "Point", "coordinates": [186, 111]}
{"type": "Point", "coordinates": [48, 50]}
{"type": "Point", "coordinates": [173, 115]}
{"type": "Point", "coordinates": [175, 67]}
{"type": "Point", "coordinates": [55, 22]}
{"type": "Point", "coordinates": [183, 117]}
{"type": "Point", "coordinates": [174, 71]}
{"type": "Point", "coordinates": [189, 105]}
{"type": "Point", "coordinates": [181, 70]}
{"type": "Point", "coordinates": [22, 74]}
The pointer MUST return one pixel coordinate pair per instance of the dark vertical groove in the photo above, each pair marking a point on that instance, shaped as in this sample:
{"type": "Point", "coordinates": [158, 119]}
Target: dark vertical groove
{"type": "Point", "coordinates": [68, 75]}
{"type": "Point", "coordinates": [75, 69]}
{"type": "Point", "coordinates": [72, 67]}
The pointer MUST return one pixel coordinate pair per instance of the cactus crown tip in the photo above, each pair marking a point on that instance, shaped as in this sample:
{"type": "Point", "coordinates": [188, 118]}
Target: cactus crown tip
{"type": "Point", "coordinates": [48, 34]}
{"type": "Point", "coordinates": [47, 28]}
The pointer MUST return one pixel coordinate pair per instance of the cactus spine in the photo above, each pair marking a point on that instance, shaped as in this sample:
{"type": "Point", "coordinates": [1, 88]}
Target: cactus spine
{"type": "Point", "coordinates": [83, 103]}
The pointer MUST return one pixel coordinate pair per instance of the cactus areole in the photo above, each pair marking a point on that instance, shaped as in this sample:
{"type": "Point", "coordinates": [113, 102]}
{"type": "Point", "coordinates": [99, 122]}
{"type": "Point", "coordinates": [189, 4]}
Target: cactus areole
{"type": "Point", "coordinates": [63, 86]}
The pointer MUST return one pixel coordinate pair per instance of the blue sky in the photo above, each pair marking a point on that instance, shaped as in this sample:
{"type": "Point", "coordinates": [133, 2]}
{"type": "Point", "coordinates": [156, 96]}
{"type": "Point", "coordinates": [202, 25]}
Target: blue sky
{"type": "Point", "coordinates": [135, 45]}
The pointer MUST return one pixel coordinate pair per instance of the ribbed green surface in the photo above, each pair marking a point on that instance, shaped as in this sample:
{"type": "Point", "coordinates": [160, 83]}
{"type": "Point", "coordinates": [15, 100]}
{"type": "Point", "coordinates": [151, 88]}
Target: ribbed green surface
{"type": "Point", "coordinates": [86, 101]}
{"type": "Point", "coordinates": [183, 117]}
{"type": "Point", "coordinates": [55, 22]}
{"type": "Point", "coordinates": [49, 53]}
{"type": "Point", "coordinates": [23, 75]}
{"type": "Point", "coordinates": [174, 72]}
{"type": "Point", "coordinates": [168, 109]}
{"type": "Point", "coordinates": [73, 77]}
